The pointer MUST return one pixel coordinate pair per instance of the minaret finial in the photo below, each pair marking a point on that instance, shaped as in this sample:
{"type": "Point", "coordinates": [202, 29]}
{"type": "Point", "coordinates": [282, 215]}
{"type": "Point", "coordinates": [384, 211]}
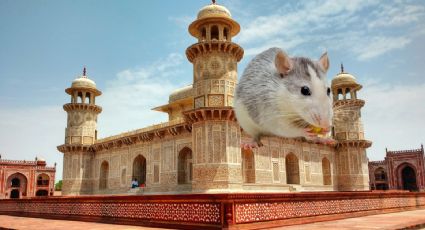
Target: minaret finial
{"type": "Point", "coordinates": [84, 71]}
{"type": "Point", "coordinates": [342, 68]}
{"type": "Point", "coordinates": [213, 2]}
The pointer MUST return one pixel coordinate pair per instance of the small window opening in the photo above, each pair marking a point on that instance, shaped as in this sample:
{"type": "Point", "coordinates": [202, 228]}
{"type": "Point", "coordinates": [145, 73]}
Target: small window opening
{"type": "Point", "coordinates": [214, 32]}
{"type": "Point", "coordinates": [347, 93]}
{"type": "Point", "coordinates": [225, 34]}
{"type": "Point", "coordinates": [80, 97]}
{"type": "Point", "coordinates": [340, 94]}
{"type": "Point", "coordinates": [88, 98]}
{"type": "Point", "coordinates": [204, 34]}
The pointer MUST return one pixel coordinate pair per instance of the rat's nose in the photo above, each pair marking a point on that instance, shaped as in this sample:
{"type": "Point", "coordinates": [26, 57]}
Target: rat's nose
{"type": "Point", "coordinates": [323, 123]}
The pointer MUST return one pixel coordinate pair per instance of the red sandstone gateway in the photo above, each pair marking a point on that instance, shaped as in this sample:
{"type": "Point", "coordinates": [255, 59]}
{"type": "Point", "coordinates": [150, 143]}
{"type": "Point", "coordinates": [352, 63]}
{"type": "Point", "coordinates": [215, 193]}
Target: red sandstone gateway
{"type": "Point", "coordinates": [22, 179]}
{"type": "Point", "coordinates": [400, 170]}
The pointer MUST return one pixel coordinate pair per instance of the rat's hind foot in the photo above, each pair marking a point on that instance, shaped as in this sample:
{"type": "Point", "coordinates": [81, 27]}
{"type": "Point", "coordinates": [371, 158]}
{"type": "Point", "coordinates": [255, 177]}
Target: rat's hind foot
{"type": "Point", "coordinates": [251, 144]}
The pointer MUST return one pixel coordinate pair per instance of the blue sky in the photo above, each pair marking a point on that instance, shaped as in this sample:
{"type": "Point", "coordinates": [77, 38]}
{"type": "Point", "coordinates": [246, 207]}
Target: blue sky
{"type": "Point", "coordinates": [135, 51]}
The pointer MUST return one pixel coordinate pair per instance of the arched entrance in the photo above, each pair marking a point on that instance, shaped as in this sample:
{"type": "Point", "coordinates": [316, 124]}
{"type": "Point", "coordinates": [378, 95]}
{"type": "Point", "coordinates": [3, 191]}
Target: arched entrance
{"type": "Point", "coordinates": [17, 185]}
{"type": "Point", "coordinates": [380, 179]}
{"type": "Point", "coordinates": [380, 174]}
{"type": "Point", "coordinates": [14, 194]}
{"type": "Point", "coordinates": [408, 177]}
{"type": "Point", "coordinates": [292, 169]}
{"type": "Point", "coordinates": [42, 193]}
{"type": "Point", "coordinates": [184, 166]}
{"type": "Point", "coordinates": [139, 169]}
{"type": "Point", "coordinates": [104, 172]}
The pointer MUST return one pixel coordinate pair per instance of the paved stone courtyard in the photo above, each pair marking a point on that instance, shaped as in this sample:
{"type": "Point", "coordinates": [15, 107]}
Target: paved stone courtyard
{"type": "Point", "coordinates": [401, 220]}
{"type": "Point", "coordinates": [398, 220]}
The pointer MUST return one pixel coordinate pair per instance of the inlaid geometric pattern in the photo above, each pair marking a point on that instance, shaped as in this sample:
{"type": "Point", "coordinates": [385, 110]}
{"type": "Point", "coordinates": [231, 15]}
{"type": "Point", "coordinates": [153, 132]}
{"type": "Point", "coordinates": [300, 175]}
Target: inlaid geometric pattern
{"type": "Point", "coordinates": [253, 212]}
{"type": "Point", "coordinates": [208, 213]}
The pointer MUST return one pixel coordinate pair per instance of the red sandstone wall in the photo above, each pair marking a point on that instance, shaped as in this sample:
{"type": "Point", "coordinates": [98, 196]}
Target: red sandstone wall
{"type": "Point", "coordinates": [216, 210]}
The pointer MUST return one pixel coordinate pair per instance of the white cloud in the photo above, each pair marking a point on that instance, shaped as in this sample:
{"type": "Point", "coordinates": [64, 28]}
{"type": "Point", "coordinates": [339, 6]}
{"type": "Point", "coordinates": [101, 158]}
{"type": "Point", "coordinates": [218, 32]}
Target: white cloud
{"type": "Point", "coordinates": [393, 117]}
{"type": "Point", "coordinates": [127, 100]}
{"type": "Point", "coordinates": [376, 46]}
{"type": "Point", "coordinates": [309, 17]}
{"type": "Point", "coordinates": [397, 14]}
{"type": "Point", "coordinates": [363, 28]}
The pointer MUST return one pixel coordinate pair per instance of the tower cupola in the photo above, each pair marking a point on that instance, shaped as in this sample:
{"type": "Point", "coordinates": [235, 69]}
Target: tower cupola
{"type": "Point", "coordinates": [214, 56]}
{"type": "Point", "coordinates": [83, 90]}
{"type": "Point", "coordinates": [82, 112]}
{"type": "Point", "coordinates": [344, 86]}
{"type": "Point", "coordinates": [214, 22]}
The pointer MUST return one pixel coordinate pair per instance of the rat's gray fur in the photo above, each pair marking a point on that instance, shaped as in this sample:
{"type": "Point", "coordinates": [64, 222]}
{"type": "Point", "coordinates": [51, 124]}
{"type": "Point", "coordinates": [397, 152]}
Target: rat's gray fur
{"type": "Point", "coordinates": [260, 84]}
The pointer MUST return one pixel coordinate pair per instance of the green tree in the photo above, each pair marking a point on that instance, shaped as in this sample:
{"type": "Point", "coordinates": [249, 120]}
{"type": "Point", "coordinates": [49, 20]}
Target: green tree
{"type": "Point", "coordinates": [58, 186]}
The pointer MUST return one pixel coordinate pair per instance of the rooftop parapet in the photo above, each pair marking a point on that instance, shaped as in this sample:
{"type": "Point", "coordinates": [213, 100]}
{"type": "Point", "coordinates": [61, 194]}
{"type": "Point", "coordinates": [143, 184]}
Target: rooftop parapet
{"type": "Point", "coordinates": [421, 150]}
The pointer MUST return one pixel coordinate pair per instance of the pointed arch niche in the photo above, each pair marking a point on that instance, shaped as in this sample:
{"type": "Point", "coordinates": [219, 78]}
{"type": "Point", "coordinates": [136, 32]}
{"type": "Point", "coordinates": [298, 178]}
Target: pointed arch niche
{"type": "Point", "coordinates": [292, 169]}
{"type": "Point", "coordinates": [104, 174]}
{"type": "Point", "coordinates": [139, 169]}
{"type": "Point", "coordinates": [326, 170]}
{"type": "Point", "coordinates": [184, 166]}
{"type": "Point", "coordinates": [248, 166]}
{"type": "Point", "coordinates": [17, 185]}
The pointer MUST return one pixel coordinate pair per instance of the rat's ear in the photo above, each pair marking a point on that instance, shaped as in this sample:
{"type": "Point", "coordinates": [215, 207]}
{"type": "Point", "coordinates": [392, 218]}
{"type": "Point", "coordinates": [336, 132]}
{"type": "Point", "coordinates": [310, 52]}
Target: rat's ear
{"type": "Point", "coordinates": [283, 63]}
{"type": "Point", "coordinates": [324, 61]}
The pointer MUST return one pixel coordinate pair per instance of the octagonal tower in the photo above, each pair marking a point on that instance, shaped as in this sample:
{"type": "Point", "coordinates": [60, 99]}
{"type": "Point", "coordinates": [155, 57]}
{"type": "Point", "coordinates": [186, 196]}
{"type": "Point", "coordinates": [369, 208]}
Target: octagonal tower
{"type": "Point", "coordinates": [80, 134]}
{"type": "Point", "coordinates": [351, 159]}
{"type": "Point", "coordinates": [215, 132]}
{"type": "Point", "coordinates": [214, 57]}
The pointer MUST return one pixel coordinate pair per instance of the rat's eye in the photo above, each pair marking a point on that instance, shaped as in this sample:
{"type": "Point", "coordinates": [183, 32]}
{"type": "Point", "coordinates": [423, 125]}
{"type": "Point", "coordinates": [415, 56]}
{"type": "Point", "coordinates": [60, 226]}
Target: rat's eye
{"type": "Point", "coordinates": [305, 91]}
{"type": "Point", "coordinates": [329, 91]}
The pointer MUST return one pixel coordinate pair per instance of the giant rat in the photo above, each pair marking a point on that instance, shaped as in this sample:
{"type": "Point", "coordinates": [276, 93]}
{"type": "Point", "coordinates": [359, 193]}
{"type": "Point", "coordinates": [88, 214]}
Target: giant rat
{"type": "Point", "coordinates": [284, 96]}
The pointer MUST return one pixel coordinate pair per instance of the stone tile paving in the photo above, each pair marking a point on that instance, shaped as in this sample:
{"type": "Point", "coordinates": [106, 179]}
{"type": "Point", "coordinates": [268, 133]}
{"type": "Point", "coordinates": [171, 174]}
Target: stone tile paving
{"type": "Point", "coordinates": [390, 221]}
{"type": "Point", "coordinates": [26, 223]}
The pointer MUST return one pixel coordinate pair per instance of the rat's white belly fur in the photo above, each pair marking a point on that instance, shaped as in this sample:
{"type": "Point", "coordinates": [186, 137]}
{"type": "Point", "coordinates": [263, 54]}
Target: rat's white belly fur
{"type": "Point", "coordinates": [245, 120]}
{"type": "Point", "coordinates": [276, 127]}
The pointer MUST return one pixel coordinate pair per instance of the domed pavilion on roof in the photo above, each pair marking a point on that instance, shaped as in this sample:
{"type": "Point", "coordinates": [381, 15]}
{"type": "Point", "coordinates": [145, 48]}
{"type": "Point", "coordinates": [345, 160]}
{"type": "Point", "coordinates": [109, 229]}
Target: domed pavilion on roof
{"type": "Point", "coordinates": [198, 149]}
